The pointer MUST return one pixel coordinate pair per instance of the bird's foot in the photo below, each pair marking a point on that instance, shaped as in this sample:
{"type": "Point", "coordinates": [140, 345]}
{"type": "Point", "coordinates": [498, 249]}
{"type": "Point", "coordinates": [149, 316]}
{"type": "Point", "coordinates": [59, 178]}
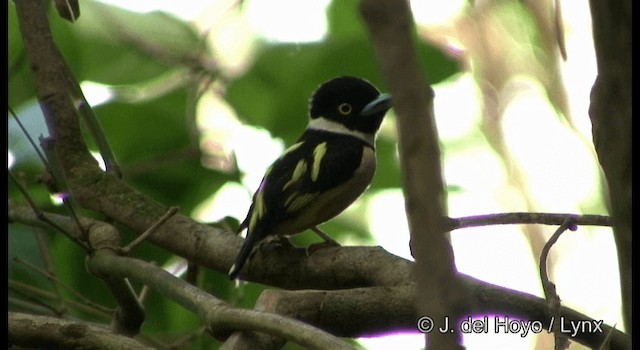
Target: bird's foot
{"type": "Point", "coordinates": [326, 244]}
{"type": "Point", "coordinates": [277, 242]}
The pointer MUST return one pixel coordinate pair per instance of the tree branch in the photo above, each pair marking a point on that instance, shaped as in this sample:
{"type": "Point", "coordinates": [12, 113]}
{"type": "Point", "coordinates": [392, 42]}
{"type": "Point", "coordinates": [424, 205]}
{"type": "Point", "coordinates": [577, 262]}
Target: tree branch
{"type": "Point", "coordinates": [44, 332]}
{"type": "Point", "coordinates": [390, 25]}
{"type": "Point", "coordinates": [379, 310]}
{"type": "Point", "coordinates": [55, 86]}
{"type": "Point", "coordinates": [549, 288]}
{"type": "Point", "coordinates": [217, 315]}
{"type": "Point", "coordinates": [526, 218]}
{"type": "Point", "coordinates": [610, 114]}
{"type": "Point", "coordinates": [375, 309]}
{"type": "Point", "coordinates": [41, 296]}
{"type": "Point", "coordinates": [384, 309]}
{"type": "Point", "coordinates": [496, 300]}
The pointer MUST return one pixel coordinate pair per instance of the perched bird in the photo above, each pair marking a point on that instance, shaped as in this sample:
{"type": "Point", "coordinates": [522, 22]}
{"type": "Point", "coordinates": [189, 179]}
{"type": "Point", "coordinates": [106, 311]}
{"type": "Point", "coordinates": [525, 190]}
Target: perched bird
{"type": "Point", "coordinates": [327, 169]}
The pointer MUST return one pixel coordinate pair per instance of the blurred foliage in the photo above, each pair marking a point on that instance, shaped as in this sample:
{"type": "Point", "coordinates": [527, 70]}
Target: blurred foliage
{"type": "Point", "coordinates": [156, 140]}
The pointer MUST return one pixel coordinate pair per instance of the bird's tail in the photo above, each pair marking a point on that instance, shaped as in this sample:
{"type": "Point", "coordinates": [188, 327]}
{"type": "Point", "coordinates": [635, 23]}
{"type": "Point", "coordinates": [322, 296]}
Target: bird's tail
{"type": "Point", "coordinates": [243, 256]}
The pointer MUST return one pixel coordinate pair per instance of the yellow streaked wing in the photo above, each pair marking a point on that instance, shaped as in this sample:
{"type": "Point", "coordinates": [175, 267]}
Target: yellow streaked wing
{"type": "Point", "coordinates": [297, 201]}
{"type": "Point", "coordinates": [298, 172]}
{"type": "Point", "coordinates": [318, 155]}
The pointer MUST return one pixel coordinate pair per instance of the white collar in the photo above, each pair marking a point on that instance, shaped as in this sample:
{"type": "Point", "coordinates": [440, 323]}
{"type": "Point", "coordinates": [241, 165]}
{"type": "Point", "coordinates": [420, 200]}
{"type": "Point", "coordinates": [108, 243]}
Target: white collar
{"type": "Point", "coordinates": [329, 125]}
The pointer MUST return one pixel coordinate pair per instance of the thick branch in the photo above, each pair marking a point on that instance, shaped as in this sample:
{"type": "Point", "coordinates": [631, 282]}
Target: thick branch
{"type": "Point", "coordinates": [390, 25]}
{"type": "Point", "coordinates": [610, 114]}
{"type": "Point", "coordinates": [55, 85]}
{"type": "Point", "coordinates": [384, 309]}
{"type": "Point", "coordinates": [31, 331]}
{"type": "Point", "coordinates": [496, 300]}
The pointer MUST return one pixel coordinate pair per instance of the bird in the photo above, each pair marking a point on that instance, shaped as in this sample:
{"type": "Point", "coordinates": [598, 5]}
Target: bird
{"type": "Point", "coordinates": [326, 170]}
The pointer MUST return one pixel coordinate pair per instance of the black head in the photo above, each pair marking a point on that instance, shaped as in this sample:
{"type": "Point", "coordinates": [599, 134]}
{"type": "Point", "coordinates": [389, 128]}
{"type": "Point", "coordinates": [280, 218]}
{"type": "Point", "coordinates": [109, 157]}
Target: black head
{"type": "Point", "coordinates": [350, 101]}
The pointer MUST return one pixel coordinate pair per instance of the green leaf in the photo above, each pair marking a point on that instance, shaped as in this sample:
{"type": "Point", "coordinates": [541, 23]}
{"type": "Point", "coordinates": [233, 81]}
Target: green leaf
{"type": "Point", "coordinates": [344, 20]}
{"type": "Point", "coordinates": [154, 145]}
{"type": "Point", "coordinates": [115, 46]}
{"type": "Point", "coordinates": [274, 93]}
{"type": "Point", "coordinates": [346, 23]}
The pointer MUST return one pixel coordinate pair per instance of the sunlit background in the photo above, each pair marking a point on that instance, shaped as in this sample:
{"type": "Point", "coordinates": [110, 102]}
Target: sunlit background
{"type": "Point", "coordinates": [540, 160]}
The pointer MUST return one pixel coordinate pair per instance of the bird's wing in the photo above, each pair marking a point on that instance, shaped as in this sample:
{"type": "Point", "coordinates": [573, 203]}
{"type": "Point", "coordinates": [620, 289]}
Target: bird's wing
{"type": "Point", "coordinates": [312, 166]}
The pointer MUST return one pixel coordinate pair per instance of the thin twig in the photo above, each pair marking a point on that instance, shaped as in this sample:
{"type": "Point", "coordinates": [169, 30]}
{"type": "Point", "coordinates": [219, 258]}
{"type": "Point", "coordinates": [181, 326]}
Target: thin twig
{"type": "Point", "coordinates": [91, 120]}
{"type": "Point", "coordinates": [526, 218]}
{"type": "Point", "coordinates": [142, 295]}
{"type": "Point", "coordinates": [57, 282]}
{"type": "Point", "coordinates": [561, 340]}
{"type": "Point", "coordinates": [38, 295]}
{"type": "Point", "coordinates": [31, 141]}
{"type": "Point", "coordinates": [35, 300]}
{"type": "Point", "coordinates": [41, 216]}
{"type": "Point", "coordinates": [607, 340]}
{"type": "Point", "coordinates": [65, 200]}
{"type": "Point", "coordinates": [57, 171]}
{"type": "Point", "coordinates": [48, 263]}
{"type": "Point", "coordinates": [127, 249]}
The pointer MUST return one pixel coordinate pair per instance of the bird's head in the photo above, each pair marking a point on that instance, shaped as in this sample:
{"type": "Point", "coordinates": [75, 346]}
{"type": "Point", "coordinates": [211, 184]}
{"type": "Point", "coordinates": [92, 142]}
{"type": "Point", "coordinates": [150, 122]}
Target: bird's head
{"type": "Point", "coordinates": [352, 102]}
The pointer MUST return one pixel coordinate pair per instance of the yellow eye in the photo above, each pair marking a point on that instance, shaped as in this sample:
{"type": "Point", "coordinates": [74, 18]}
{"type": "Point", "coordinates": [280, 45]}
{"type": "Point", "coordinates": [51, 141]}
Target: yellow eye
{"type": "Point", "coordinates": [344, 108]}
